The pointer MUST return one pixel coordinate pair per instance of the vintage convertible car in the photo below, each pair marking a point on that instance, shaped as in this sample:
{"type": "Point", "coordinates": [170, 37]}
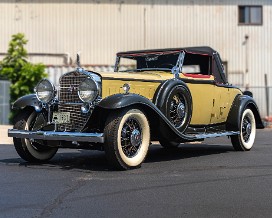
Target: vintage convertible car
{"type": "Point", "coordinates": [167, 95]}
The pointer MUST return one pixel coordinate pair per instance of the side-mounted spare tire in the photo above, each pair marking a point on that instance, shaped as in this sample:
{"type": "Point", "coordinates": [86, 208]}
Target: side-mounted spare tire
{"type": "Point", "coordinates": [176, 104]}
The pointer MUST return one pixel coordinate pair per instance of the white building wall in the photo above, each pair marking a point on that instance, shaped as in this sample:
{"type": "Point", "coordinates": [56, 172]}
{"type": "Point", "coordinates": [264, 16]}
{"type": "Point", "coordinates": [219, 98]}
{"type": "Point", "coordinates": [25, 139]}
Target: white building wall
{"type": "Point", "coordinates": [100, 28]}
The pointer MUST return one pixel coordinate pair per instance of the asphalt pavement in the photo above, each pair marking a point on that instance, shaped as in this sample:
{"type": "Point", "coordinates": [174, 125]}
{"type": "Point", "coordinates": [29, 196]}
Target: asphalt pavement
{"type": "Point", "coordinates": [195, 180]}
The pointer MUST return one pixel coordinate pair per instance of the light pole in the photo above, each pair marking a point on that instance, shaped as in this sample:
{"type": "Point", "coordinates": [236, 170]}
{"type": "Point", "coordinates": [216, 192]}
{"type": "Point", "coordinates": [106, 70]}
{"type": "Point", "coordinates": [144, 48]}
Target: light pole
{"type": "Point", "coordinates": [245, 43]}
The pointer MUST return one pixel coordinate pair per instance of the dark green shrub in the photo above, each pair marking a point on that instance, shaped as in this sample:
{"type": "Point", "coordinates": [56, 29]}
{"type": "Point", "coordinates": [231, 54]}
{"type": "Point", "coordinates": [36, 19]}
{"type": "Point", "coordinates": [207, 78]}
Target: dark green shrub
{"type": "Point", "coordinates": [22, 74]}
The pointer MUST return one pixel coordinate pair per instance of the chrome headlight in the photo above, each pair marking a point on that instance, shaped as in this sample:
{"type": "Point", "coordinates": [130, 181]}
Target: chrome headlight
{"type": "Point", "coordinates": [88, 90]}
{"type": "Point", "coordinates": [45, 91]}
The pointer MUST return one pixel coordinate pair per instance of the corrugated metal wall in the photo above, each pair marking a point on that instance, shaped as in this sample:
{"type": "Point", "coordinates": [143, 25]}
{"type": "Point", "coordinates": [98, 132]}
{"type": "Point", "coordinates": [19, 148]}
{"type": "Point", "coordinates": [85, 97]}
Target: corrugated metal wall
{"type": "Point", "coordinates": [4, 102]}
{"type": "Point", "coordinates": [100, 28]}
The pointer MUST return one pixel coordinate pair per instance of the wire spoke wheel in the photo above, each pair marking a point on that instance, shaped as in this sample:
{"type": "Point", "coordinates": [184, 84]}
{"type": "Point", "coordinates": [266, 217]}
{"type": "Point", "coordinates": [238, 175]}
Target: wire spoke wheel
{"type": "Point", "coordinates": [131, 137]}
{"type": "Point", "coordinates": [177, 110]}
{"type": "Point", "coordinates": [176, 104]}
{"type": "Point", "coordinates": [246, 128]}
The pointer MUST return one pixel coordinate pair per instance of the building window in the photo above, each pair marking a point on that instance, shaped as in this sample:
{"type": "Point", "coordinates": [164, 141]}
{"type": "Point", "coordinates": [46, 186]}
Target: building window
{"type": "Point", "coordinates": [250, 15]}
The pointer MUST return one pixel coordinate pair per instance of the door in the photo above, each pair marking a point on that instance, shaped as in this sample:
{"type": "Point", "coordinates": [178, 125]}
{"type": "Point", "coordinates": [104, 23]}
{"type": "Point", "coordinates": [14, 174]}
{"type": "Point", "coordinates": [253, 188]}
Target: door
{"type": "Point", "coordinates": [221, 102]}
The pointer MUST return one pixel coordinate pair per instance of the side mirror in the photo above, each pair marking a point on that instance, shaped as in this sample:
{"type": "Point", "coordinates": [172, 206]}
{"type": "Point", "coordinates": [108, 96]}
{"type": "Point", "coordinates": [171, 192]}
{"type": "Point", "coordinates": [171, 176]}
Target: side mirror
{"type": "Point", "coordinates": [175, 70]}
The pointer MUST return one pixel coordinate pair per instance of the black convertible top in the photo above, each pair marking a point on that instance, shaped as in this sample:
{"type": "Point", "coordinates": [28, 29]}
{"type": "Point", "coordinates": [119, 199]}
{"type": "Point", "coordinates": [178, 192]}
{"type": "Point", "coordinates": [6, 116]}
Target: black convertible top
{"type": "Point", "coordinates": [200, 50]}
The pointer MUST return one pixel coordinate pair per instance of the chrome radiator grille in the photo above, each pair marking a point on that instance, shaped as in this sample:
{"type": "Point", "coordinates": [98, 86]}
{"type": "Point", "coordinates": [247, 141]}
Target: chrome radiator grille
{"type": "Point", "coordinates": [68, 87]}
{"type": "Point", "coordinates": [70, 102]}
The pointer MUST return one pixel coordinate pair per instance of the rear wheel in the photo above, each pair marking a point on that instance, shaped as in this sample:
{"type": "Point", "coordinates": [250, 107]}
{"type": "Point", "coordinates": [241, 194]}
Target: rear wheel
{"type": "Point", "coordinates": [245, 140]}
{"type": "Point", "coordinates": [30, 150]}
{"type": "Point", "coordinates": [127, 138]}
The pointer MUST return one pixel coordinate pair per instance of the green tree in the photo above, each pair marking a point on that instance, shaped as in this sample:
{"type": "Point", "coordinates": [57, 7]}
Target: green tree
{"type": "Point", "coordinates": [22, 74]}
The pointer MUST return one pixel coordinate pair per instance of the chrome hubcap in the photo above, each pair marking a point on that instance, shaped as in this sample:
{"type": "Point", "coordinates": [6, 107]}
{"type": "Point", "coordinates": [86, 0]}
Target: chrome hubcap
{"type": "Point", "coordinates": [135, 138]}
{"type": "Point", "coordinates": [248, 128]}
{"type": "Point", "coordinates": [181, 110]}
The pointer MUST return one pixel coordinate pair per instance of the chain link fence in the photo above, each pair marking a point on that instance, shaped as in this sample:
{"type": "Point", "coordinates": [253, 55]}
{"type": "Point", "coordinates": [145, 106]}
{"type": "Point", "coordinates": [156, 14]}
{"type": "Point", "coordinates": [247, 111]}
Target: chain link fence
{"type": "Point", "coordinates": [4, 102]}
{"type": "Point", "coordinates": [262, 95]}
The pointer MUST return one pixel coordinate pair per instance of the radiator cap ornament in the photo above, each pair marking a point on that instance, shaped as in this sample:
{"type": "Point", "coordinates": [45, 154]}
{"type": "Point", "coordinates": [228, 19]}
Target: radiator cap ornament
{"type": "Point", "coordinates": [78, 60]}
{"type": "Point", "coordinates": [79, 68]}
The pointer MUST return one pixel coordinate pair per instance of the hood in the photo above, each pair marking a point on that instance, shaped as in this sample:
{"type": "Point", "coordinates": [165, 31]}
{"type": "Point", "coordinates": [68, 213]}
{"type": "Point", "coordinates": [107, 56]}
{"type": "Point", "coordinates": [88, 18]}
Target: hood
{"type": "Point", "coordinates": [145, 75]}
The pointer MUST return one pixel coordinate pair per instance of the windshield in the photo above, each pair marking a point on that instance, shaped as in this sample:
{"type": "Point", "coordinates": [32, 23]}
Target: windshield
{"type": "Point", "coordinates": [160, 61]}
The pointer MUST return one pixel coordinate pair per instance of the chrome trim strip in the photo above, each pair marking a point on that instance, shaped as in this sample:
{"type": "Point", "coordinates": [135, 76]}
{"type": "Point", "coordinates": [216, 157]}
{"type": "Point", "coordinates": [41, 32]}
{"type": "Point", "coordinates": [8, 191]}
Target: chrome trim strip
{"type": "Point", "coordinates": [132, 79]}
{"type": "Point", "coordinates": [72, 103]}
{"type": "Point", "coordinates": [214, 135]}
{"type": "Point", "coordinates": [61, 136]}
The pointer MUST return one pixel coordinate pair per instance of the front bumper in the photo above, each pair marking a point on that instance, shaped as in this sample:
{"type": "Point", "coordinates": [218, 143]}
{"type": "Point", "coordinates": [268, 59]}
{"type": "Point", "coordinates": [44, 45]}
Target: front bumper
{"type": "Point", "coordinates": [57, 136]}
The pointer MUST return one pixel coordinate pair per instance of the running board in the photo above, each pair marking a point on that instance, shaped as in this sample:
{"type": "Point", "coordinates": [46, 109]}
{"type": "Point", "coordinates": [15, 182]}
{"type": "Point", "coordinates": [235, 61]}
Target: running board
{"type": "Point", "coordinates": [213, 135]}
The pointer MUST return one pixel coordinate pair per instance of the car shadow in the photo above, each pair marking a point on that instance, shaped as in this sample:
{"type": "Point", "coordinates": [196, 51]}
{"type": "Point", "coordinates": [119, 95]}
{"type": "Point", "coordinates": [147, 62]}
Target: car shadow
{"type": "Point", "coordinates": [184, 151]}
{"type": "Point", "coordinates": [85, 160]}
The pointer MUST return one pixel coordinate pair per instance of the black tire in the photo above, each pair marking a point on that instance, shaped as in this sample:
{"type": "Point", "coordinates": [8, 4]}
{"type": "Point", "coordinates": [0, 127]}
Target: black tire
{"type": "Point", "coordinates": [245, 140]}
{"type": "Point", "coordinates": [28, 150]}
{"type": "Point", "coordinates": [177, 107]}
{"type": "Point", "coordinates": [127, 138]}
{"type": "Point", "coordinates": [168, 144]}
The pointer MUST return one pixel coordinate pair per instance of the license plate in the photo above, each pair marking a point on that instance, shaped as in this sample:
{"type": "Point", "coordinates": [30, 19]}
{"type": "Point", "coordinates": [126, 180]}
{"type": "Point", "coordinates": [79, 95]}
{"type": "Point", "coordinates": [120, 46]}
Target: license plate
{"type": "Point", "coordinates": [61, 117]}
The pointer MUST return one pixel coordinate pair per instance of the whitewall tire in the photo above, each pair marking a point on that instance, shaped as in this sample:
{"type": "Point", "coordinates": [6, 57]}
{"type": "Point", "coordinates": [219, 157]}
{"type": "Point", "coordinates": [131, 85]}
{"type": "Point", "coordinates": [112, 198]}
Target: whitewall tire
{"type": "Point", "coordinates": [127, 138]}
{"type": "Point", "coordinates": [245, 140]}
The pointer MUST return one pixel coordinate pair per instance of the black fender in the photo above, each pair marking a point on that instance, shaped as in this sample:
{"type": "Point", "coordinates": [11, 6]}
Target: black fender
{"type": "Point", "coordinates": [118, 101]}
{"type": "Point", "coordinates": [240, 103]}
{"type": "Point", "coordinates": [97, 120]}
{"type": "Point", "coordinates": [27, 100]}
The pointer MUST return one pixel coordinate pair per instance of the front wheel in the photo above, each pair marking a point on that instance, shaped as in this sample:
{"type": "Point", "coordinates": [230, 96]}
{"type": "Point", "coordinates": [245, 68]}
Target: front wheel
{"type": "Point", "coordinates": [245, 140]}
{"type": "Point", "coordinates": [127, 138]}
{"type": "Point", "coordinates": [30, 150]}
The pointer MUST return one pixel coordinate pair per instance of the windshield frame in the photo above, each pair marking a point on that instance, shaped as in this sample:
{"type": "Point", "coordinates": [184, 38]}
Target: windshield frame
{"type": "Point", "coordinates": [143, 54]}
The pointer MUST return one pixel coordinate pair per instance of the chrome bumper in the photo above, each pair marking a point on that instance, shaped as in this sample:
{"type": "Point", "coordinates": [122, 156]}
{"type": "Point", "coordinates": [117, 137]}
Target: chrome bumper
{"type": "Point", "coordinates": [59, 136]}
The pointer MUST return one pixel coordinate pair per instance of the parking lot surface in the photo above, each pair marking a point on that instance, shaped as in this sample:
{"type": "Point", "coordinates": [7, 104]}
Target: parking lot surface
{"type": "Point", "coordinates": [207, 179]}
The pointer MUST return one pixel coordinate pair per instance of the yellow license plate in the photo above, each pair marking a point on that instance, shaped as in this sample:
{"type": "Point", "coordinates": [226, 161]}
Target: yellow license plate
{"type": "Point", "coordinates": [61, 117]}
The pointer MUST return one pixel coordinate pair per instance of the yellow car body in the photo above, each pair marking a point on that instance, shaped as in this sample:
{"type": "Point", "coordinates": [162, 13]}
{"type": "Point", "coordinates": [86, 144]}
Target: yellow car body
{"type": "Point", "coordinates": [213, 101]}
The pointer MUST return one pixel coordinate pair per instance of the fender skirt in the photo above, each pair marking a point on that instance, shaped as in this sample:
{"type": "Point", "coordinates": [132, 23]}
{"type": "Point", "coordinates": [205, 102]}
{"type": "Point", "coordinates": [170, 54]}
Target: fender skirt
{"type": "Point", "coordinates": [240, 103]}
